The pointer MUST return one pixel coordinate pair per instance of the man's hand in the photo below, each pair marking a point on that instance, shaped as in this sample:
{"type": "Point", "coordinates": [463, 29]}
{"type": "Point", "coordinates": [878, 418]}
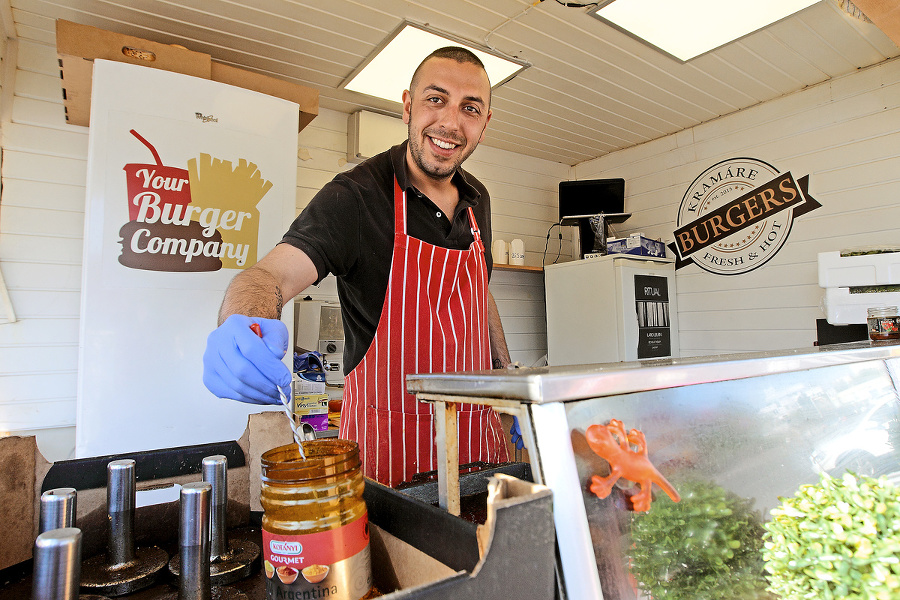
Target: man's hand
{"type": "Point", "coordinates": [240, 365]}
{"type": "Point", "coordinates": [516, 435]}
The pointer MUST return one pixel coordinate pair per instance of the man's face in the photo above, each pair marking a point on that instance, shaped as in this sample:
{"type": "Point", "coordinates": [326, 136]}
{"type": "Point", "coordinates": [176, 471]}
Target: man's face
{"type": "Point", "coordinates": [447, 113]}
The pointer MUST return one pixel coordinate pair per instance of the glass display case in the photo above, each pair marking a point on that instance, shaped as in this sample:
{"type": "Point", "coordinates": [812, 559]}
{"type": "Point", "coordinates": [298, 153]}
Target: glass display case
{"type": "Point", "coordinates": [728, 436]}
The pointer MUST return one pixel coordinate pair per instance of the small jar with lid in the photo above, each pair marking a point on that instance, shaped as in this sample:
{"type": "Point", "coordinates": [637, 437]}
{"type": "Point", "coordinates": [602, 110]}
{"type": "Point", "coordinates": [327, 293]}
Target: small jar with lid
{"type": "Point", "coordinates": [315, 525]}
{"type": "Point", "coordinates": [884, 323]}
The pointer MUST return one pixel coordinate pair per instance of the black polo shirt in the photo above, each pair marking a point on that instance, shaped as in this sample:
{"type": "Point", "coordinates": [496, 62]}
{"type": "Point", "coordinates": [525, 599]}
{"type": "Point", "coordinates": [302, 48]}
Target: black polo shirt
{"type": "Point", "coordinates": [348, 230]}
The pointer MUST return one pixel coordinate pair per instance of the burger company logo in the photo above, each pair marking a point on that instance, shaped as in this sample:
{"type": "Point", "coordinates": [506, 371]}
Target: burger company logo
{"type": "Point", "coordinates": [285, 548]}
{"type": "Point", "coordinates": [206, 118]}
{"type": "Point", "coordinates": [737, 215]}
{"type": "Point", "coordinates": [203, 218]}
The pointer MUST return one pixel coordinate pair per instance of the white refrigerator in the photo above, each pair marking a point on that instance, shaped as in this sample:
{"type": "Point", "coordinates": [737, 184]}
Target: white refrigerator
{"type": "Point", "coordinates": [618, 307]}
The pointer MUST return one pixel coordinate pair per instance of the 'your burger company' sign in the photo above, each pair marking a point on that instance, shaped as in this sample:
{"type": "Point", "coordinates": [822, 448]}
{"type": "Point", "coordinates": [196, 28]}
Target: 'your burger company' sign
{"type": "Point", "coordinates": [203, 218]}
{"type": "Point", "coordinates": [737, 215]}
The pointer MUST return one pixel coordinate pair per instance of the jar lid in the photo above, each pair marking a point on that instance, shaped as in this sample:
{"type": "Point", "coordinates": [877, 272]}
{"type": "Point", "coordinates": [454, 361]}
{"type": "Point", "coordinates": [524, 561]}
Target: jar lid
{"type": "Point", "coordinates": [882, 311]}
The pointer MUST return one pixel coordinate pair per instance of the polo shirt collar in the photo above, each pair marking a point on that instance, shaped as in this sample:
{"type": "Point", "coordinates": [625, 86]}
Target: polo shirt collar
{"type": "Point", "coordinates": [467, 192]}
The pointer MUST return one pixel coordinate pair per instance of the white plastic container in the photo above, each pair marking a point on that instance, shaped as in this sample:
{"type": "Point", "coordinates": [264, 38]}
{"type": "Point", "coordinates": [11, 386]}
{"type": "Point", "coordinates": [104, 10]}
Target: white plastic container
{"type": "Point", "coordinates": [869, 269]}
{"type": "Point", "coordinates": [844, 308]}
{"type": "Point", "coordinates": [500, 250]}
{"type": "Point", "coordinates": [517, 252]}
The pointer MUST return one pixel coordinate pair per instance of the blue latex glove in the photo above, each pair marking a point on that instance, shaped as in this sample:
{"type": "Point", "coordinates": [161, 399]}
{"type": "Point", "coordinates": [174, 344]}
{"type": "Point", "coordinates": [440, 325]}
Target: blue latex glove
{"type": "Point", "coordinates": [242, 366]}
{"type": "Point", "coordinates": [516, 434]}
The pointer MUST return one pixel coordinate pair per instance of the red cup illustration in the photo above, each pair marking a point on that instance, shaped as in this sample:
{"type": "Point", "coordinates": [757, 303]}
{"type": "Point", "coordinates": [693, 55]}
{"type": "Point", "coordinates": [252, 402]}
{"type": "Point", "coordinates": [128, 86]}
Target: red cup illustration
{"type": "Point", "coordinates": [156, 192]}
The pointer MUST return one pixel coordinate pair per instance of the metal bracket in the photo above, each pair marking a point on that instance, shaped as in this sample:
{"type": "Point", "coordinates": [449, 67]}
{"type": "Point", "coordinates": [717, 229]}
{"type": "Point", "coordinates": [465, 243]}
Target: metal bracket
{"type": "Point", "coordinates": [448, 444]}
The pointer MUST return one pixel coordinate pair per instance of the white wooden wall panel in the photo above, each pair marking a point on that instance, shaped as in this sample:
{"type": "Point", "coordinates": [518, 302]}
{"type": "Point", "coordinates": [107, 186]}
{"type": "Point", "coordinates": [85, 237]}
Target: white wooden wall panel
{"type": "Point", "coordinates": [520, 301]}
{"type": "Point", "coordinates": [22, 248]}
{"type": "Point", "coordinates": [41, 232]}
{"type": "Point", "coordinates": [52, 142]}
{"type": "Point", "coordinates": [41, 167]}
{"type": "Point", "coordinates": [50, 413]}
{"type": "Point", "coordinates": [844, 134]}
{"type": "Point", "coordinates": [25, 357]}
{"type": "Point", "coordinates": [22, 399]}
{"type": "Point", "coordinates": [36, 85]}
{"type": "Point", "coordinates": [45, 195]}
{"type": "Point", "coordinates": [38, 58]}
{"type": "Point", "coordinates": [42, 301]}
{"type": "Point", "coordinates": [44, 330]}
{"type": "Point", "coordinates": [41, 221]}
{"type": "Point", "coordinates": [62, 277]}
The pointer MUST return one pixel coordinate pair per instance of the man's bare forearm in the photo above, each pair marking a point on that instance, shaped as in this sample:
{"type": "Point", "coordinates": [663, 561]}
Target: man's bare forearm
{"type": "Point", "coordinates": [262, 290]}
{"type": "Point", "coordinates": [499, 350]}
{"type": "Point", "coordinates": [253, 292]}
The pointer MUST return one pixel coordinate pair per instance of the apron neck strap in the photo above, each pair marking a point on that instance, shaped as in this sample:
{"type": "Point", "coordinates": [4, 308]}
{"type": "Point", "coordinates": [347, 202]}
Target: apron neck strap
{"type": "Point", "coordinates": [476, 233]}
{"type": "Point", "coordinates": [399, 208]}
{"type": "Point", "coordinates": [400, 213]}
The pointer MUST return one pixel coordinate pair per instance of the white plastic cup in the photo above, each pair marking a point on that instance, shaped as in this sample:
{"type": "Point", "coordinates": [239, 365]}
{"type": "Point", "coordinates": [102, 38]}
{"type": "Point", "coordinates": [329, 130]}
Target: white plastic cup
{"type": "Point", "coordinates": [500, 251]}
{"type": "Point", "coordinates": [517, 252]}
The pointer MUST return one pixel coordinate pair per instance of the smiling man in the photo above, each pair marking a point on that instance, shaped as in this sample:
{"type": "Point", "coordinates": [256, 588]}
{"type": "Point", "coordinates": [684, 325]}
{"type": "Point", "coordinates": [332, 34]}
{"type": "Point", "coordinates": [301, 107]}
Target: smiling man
{"type": "Point", "coordinates": [407, 233]}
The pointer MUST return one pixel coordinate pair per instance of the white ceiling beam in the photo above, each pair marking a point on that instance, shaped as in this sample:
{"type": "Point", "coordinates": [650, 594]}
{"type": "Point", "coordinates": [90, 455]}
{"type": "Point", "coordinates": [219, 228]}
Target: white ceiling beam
{"type": "Point", "coordinates": [6, 20]}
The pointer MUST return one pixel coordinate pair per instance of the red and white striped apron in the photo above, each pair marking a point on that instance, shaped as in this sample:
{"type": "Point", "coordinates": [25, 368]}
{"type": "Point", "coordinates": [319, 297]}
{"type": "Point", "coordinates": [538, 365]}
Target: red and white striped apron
{"type": "Point", "coordinates": [434, 320]}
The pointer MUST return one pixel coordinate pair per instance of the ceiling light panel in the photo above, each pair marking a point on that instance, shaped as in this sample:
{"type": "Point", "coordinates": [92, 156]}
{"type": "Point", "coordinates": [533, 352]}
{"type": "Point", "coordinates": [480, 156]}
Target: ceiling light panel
{"type": "Point", "coordinates": [386, 74]}
{"type": "Point", "coordinates": [688, 28]}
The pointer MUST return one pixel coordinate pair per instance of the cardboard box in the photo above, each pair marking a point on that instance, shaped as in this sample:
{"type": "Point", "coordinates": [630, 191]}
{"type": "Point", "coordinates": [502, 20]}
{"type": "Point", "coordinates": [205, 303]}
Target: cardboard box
{"type": "Point", "coordinates": [311, 399]}
{"type": "Point", "coordinates": [312, 409]}
{"type": "Point", "coordinates": [636, 244]}
{"type": "Point", "coordinates": [78, 45]}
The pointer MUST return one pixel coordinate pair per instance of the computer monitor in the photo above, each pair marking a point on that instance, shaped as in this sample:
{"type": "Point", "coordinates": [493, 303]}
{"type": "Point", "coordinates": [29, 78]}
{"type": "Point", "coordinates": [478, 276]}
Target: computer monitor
{"type": "Point", "coordinates": [586, 197]}
{"type": "Point", "coordinates": [582, 199]}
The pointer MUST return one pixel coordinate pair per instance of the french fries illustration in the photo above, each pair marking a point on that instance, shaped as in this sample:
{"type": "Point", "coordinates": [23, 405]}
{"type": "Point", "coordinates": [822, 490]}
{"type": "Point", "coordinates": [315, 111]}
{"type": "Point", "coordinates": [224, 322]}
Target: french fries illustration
{"type": "Point", "coordinates": [230, 196]}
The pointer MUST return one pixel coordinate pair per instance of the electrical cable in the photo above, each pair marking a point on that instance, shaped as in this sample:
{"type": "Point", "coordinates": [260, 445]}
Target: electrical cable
{"type": "Point", "coordinates": [612, 230]}
{"type": "Point", "coordinates": [579, 4]}
{"type": "Point", "coordinates": [547, 244]}
{"type": "Point", "coordinates": [504, 24]}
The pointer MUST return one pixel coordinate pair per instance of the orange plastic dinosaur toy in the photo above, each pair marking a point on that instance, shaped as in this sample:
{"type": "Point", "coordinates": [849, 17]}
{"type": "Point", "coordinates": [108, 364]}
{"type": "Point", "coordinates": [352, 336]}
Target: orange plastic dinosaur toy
{"type": "Point", "coordinates": [625, 463]}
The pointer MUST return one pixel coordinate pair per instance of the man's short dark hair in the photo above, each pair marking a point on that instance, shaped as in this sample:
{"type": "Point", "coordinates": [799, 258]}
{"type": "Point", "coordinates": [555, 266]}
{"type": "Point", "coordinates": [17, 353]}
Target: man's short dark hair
{"type": "Point", "coordinates": [457, 53]}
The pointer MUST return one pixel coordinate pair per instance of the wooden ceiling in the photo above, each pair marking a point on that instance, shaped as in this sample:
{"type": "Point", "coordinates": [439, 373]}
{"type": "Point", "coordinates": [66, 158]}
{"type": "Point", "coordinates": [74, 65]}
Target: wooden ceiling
{"type": "Point", "coordinates": [590, 90]}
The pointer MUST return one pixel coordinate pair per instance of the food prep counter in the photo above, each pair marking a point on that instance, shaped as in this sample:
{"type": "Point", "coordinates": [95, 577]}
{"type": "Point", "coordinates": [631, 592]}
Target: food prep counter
{"type": "Point", "coordinates": [417, 550]}
{"type": "Point", "coordinates": [736, 431]}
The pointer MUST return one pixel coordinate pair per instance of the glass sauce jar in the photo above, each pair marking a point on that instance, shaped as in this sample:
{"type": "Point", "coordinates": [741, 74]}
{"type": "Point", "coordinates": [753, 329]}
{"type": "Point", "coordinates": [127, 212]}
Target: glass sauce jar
{"type": "Point", "coordinates": [315, 526]}
{"type": "Point", "coordinates": [884, 323]}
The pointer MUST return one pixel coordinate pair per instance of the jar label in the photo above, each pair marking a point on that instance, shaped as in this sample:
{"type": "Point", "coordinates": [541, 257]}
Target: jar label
{"type": "Point", "coordinates": [884, 327]}
{"type": "Point", "coordinates": [332, 564]}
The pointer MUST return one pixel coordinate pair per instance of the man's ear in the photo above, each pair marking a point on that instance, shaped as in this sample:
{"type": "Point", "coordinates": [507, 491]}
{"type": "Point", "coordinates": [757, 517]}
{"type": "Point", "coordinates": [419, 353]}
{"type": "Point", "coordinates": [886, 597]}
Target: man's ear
{"type": "Point", "coordinates": [490, 114]}
{"type": "Point", "coordinates": [407, 104]}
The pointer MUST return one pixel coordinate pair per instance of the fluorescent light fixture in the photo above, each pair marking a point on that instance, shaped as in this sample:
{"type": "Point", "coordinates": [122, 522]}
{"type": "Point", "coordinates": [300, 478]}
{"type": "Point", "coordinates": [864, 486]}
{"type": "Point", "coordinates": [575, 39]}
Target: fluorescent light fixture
{"type": "Point", "coordinates": [687, 28]}
{"type": "Point", "coordinates": [388, 72]}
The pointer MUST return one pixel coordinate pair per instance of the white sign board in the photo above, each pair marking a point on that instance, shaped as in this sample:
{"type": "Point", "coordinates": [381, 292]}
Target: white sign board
{"type": "Point", "coordinates": [189, 181]}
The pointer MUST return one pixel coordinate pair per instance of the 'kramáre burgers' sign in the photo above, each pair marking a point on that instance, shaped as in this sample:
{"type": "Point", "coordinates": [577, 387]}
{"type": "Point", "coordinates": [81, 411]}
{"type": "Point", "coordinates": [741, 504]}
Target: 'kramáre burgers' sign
{"type": "Point", "coordinates": [737, 215]}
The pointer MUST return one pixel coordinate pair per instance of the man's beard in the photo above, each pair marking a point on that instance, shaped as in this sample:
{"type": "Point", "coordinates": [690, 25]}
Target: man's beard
{"type": "Point", "coordinates": [438, 170]}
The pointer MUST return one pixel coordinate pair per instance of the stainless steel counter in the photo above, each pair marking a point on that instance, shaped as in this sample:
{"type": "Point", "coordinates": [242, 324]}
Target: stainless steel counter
{"type": "Point", "coordinates": [561, 384]}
